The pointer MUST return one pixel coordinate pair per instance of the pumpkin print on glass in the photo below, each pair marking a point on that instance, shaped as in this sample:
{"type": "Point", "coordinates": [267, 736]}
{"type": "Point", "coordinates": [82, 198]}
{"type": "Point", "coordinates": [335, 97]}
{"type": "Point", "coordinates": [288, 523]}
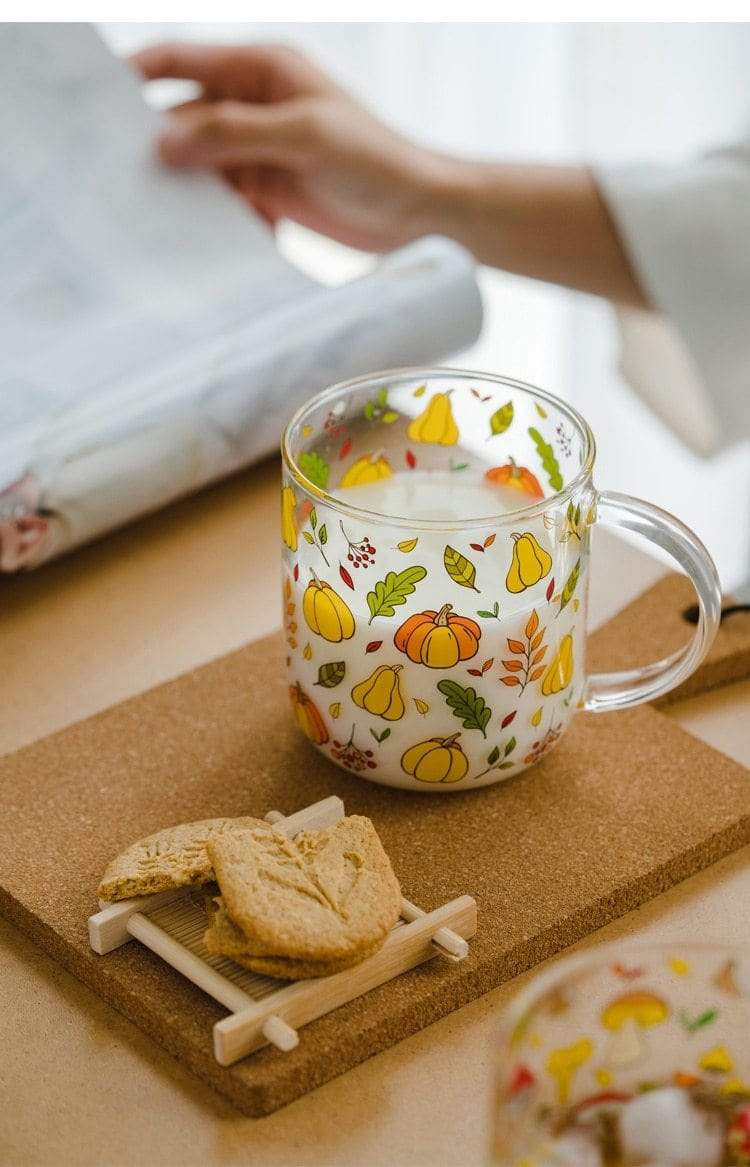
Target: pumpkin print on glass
{"type": "Point", "coordinates": [436, 760]}
{"type": "Point", "coordinates": [438, 639]}
{"type": "Point", "coordinates": [326, 613]}
{"type": "Point", "coordinates": [308, 716]}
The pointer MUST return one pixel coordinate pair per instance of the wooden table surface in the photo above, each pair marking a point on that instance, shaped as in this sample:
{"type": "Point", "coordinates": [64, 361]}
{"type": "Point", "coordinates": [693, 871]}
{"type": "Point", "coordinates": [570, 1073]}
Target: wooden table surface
{"type": "Point", "coordinates": [80, 1084]}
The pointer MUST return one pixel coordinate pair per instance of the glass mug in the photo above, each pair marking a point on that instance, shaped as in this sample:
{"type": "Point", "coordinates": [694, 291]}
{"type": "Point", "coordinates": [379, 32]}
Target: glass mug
{"type": "Point", "coordinates": [628, 1055]}
{"type": "Point", "coordinates": [436, 529]}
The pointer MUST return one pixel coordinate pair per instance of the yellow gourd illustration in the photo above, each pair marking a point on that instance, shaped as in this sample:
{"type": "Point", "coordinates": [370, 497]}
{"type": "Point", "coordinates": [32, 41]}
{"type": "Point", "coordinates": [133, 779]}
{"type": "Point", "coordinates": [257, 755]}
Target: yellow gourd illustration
{"type": "Point", "coordinates": [288, 525]}
{"type": "Point", "coordinates": [326, 613]}
{"type": "Point", "coordinates": [529, 564]}
{"type": "Point", "coordinates": [435, 424]}
{"type": "Point", "coordinates": [436, 760]}
{"type": "Point", "coordinates": [560, 669]}
{"type": "Point", "coordinates": [380, 694]}
{"type": "Point", "coordinates": [369, 468]}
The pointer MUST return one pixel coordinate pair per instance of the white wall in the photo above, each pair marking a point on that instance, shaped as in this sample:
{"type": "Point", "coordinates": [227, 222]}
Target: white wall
{"type": "Point", "coordinates": [556, 92]}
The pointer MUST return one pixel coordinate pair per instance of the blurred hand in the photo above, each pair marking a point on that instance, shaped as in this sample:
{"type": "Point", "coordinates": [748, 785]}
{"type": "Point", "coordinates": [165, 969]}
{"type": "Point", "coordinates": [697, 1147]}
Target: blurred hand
{"type": "Point", "coordinates": [295, 145]}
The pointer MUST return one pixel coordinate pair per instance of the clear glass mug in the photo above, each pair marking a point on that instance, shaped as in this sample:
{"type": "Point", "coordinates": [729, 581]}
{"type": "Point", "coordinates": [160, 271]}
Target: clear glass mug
{"type": "Point", "coordinates": [436, 529]}
{"type": "Point", "coordinates": [628, 1055]}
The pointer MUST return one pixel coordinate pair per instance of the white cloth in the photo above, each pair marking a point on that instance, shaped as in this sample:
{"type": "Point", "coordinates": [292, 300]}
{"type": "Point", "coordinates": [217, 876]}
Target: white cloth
{"type": "Point", "coordinates": [152, 337]}
{"type": "Point", "coordinates": [686, 229]}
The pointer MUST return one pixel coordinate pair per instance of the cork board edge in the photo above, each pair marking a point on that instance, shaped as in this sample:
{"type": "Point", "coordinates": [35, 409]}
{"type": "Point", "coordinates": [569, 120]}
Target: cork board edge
{"type": "Point", "coordinates": [258, 1100]}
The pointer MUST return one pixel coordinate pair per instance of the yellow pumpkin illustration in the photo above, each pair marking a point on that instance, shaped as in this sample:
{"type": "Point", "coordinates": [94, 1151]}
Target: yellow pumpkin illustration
{"type": "Point", "coordinates": [436, 760]}
{"type": "Point", "coordinates": [326, 613]}
{"type": "Point", "coordinates": [308, 716]}
{"type": "Point", "coordinates": [380, 694]}
{"type": "Point", "coordinates": [369, 468]}
{"type": "Point", "coordinates": [529, 564]}
{"type": "Point", "coordinates": [288, 525]}
{"type": "Point", "coordinates": [435, 424]}
{"type": "Point", "coordinates": [560, 669]}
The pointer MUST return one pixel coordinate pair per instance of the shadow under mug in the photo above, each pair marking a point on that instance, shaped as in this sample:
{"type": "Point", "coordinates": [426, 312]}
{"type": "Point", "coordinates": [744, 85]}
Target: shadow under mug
{"type": "Point", "coordinates": [436, 529]}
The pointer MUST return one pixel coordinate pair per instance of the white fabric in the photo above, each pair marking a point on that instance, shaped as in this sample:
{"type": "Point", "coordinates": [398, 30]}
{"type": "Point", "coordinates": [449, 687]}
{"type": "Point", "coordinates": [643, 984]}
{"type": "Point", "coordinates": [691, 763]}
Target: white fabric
{"type": "Point", "coordinates": [153, 339]}
{"type": "Point", "coordinates": [686, 227]}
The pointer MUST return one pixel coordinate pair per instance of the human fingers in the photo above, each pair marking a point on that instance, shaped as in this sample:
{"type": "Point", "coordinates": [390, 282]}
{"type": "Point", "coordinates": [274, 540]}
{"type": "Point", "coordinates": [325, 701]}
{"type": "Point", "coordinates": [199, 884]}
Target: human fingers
{"type": "Point", "coordinates": [230, 134]}
{"type": "Point", "coordinates": [255, 72]}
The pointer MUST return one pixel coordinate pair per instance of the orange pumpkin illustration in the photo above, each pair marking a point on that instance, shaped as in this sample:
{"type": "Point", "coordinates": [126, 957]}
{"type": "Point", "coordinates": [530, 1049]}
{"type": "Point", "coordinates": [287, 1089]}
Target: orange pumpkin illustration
{"type": "Point", "coordinates": [516, 476]}
{"type": "Point", "coordinates": [438, 639]}
{"type": "Point", "coordinates": [308, 716]}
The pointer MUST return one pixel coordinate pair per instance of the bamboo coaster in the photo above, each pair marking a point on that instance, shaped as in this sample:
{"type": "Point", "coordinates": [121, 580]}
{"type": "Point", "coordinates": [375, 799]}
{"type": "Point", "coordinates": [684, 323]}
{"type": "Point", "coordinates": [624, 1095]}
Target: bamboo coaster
{"type": "Point", "coordinates": [266, 1011]}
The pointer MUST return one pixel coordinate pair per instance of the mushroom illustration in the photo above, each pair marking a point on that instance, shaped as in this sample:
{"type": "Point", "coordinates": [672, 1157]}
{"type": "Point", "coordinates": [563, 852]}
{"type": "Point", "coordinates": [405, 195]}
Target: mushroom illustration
{"type": "Point", "coordinates": [626, 1018]}
{"type": "Point", "coordinates": [562, 1064]}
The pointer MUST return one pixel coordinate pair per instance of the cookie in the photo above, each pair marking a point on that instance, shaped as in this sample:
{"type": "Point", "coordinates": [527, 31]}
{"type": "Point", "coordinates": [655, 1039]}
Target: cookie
{"type": "Point", "coordinates": [224, 938]}
{"type": "Point", "coordinates": [324, 896]}
{"type": "Point", "coordinates": [174, 857]}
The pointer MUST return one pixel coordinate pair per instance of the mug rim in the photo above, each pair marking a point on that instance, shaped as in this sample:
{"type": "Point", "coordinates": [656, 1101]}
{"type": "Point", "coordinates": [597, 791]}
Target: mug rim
{"type": "Point", "coordinates": [416, 372]}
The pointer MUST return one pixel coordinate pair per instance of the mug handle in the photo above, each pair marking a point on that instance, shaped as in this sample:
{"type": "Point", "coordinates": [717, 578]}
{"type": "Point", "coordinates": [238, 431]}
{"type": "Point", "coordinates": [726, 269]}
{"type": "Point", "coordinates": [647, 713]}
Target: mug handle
{"type": "Point", "coordinates": [608, 691]}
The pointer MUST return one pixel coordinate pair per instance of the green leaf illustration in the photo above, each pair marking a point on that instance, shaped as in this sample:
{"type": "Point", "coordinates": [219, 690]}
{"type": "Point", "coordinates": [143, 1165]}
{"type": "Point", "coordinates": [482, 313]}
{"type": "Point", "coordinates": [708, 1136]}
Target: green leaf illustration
{"type": "Point", "coordinates": [494, 756]}
{"type": "Point", "coordinates": [570, 585]}
{"type": "Point", "coordinates": [314, 468]}
{"type": "Point", "coordinates": [323, 534]}
{"type": "Point", "coordinates": [393, 590]}
{"type": "Point", "coordinates": [692, 1024]}
{"type": "Point", "coordinates": [466, 705]}
{"type": "Point", "coordinates": [332, 674]}
{"type": "Point", "coordinates": [510, 747]}
{"type": "Point", "coordinates": [380, 737]}
{"type": "Point", "coordinates": [461, 570]}
{"type": "Point", "coordinates": [308, 537]}
{"type": "Point", "coordinates": [542, 412]}
{"type": "Point", "coordinates": [390, 416]}
{"type": "Point", "coordinates": [493, 615]}
{"type": "Point", "coordinates": [501, 419]}
{"type": "Point", "coordinates": [313, 518]}
{"type": "Point", "coordinates": [549, 461]}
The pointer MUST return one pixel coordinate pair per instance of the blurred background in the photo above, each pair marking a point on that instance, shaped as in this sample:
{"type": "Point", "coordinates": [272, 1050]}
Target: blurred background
{"type": "Point", "coordinates": [558, 93]}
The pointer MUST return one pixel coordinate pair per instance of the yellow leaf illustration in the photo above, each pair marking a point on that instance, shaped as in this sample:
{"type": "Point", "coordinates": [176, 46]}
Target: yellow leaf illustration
{"type": "Point", "coordinates": [717, 1059]}
{"type": "Point", "coordinates": [422, 706]}
{"type": "Point", "coordinates": [407, 545]}
{"type": "Point", "coordinates": [335, 709]}
{"type": "Point", "coordinates": [461, 570]}
{"type": "Point", "coordinates": [420, 392]}
{"type": "Point", "coordinates": [306, 431]}
{"type": "Point", "coordinates": [307, 652]}
{"type": "Point", "coordinates": [536, 717]}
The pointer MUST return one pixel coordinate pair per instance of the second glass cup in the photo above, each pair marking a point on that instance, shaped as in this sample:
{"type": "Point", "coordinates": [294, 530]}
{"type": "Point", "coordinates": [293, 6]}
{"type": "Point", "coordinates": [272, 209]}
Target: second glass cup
{"type": "Point", "coordinates": [436, 527]}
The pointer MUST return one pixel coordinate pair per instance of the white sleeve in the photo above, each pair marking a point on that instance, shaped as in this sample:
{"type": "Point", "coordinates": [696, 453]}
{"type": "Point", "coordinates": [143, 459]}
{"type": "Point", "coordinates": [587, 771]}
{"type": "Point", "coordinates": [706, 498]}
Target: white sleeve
{"type": "Point", "coordinates": [686, 229]}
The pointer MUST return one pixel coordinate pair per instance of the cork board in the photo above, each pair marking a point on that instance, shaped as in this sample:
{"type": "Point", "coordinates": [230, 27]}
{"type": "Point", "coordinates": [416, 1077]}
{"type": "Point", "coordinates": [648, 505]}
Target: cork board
{"type": "Point", "coordinates": [657, 805]}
